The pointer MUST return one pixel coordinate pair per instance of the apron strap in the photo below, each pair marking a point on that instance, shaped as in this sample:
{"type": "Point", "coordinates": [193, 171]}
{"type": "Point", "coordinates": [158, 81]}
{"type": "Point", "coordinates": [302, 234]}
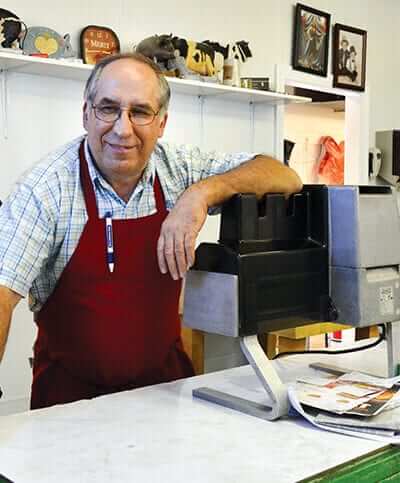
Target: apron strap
{"type": "Point", "coordinates": [86, 183]}
{"type": "Point", "coordinates": [159, 196]}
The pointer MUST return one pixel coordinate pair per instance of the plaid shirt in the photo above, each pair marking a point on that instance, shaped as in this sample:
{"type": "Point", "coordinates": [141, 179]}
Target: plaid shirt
{"type": "Point", "coordinates": [43, 218]}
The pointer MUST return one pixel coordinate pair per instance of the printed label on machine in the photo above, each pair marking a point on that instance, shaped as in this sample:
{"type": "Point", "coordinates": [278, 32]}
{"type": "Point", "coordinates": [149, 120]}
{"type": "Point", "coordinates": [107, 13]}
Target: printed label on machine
{"type": "Point", "coordinates": [386, 303]}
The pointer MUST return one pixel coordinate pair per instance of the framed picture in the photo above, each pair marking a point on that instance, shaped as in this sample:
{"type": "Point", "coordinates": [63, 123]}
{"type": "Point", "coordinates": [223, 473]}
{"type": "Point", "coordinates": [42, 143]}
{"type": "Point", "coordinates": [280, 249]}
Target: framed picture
{"type": "Point", "coordinates": [311, 40]}
{"type": "Point", "coordinates": [349, 57]}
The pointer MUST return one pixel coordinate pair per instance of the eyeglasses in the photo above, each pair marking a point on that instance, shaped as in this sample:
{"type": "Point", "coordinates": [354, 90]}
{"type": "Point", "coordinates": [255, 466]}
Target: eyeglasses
{"type": "Point", "coordinates": [138, 115]}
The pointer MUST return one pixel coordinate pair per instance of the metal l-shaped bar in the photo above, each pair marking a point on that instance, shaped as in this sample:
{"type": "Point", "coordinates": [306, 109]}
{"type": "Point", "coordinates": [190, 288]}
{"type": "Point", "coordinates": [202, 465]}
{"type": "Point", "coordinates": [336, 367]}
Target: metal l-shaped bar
{"type": "Point", "coordinates": [269, 378]}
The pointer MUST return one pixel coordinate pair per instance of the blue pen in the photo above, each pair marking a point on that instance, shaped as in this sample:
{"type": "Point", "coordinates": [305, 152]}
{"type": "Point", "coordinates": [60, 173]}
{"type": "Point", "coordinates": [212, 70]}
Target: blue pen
{"type": "Point", "coordinates": [110, 242]}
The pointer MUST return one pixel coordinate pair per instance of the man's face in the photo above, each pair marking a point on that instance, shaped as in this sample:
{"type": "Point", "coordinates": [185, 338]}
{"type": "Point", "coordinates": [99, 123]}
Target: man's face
{"type": "Point", "coordinates": [122, 149]}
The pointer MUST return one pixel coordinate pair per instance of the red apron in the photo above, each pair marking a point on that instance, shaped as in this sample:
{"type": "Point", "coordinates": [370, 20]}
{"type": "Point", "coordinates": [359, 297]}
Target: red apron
{"type": "Point", "coordinates": [102, 332]}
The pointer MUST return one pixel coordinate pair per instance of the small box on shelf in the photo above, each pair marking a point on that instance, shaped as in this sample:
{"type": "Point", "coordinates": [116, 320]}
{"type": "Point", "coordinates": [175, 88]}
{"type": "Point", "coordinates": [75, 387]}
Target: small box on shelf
{"type": "Point", "coordinates": [261, 83]}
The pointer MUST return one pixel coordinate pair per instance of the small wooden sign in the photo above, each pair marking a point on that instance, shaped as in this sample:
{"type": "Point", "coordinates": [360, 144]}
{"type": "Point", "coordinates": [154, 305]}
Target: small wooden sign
{"type": "Point", "coordinates": [98, 42]}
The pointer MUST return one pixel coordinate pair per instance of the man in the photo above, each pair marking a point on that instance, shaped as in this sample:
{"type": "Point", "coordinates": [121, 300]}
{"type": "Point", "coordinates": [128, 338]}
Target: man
{"type": "Point", "coordinates": [343, 57]}
{"type": "Point", "coordinates": [102, 230]}
{"type": "Point", "coordinates": [352, 64]}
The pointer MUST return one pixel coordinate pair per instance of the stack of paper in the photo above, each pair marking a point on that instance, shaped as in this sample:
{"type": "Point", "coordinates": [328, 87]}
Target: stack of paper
{"type": "Point", "coordinates": [353, 403]}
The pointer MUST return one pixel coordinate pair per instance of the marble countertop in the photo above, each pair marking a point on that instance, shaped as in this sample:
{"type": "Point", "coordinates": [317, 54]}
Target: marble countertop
{"type": "Point", "coordinates": [163, 434]}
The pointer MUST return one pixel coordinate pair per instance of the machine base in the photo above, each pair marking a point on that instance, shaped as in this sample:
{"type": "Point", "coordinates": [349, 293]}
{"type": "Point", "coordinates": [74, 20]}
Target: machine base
{"type": "Point", "coordinates": [268, 377]}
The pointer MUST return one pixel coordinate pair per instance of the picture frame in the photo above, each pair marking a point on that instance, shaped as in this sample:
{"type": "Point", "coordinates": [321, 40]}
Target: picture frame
{"type": "Point", "coordinates": [349, 57]}
{"type": "Point", "coordinates": [311, 40]}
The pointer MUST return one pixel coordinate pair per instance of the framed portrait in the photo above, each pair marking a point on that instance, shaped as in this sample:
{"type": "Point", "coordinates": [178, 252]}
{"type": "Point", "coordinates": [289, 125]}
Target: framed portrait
{"type": "Point", "coordinates": [349, 57]}
{"type": "Point", "coordinates": [311, 40]}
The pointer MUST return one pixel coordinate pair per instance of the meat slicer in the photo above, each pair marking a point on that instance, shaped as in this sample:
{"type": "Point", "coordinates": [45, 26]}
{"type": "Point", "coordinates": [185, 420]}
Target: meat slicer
{"type": "Point", "coordinates": [324, 254]}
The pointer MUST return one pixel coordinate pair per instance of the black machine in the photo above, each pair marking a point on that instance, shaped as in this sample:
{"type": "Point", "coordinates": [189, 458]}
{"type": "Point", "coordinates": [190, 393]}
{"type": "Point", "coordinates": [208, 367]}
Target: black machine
{"type": "Point", "coordinates": [277, 250]}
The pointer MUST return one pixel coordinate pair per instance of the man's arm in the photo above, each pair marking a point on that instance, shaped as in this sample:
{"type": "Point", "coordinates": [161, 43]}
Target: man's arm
{"type": "Point", "coordinates": [176, 244]}
{"type": "Point", "coordinates": [8, 301]}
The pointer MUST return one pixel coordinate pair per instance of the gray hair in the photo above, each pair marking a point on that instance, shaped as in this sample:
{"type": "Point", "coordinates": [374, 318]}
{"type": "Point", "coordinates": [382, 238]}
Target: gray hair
{"type": "Point", "coordinates": [91, 83]}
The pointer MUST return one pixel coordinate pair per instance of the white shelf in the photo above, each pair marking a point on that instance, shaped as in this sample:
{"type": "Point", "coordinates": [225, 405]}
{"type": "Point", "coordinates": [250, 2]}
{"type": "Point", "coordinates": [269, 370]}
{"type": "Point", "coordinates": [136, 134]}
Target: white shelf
{"type": "Point", "coordinates": [45, 67]}
{"type": "Point", "coordinates": [72, 70]}
{"type": "Point", "coordinates": [196, 88]}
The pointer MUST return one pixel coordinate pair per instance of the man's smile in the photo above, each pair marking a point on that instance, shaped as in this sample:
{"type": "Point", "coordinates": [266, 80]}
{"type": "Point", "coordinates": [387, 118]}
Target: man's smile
{"type": "Point", "coordinates": [121, 148]}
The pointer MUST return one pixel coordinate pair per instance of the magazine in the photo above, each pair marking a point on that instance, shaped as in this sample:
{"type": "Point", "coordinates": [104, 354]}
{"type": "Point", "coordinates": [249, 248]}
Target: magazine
{"type": "Point", "coordinates": [355, 404]}
{"type": "Point", "coordinates": [344, 394]}
{"type": "Point", "coordinates": [388, 436]}
{"type": "Point", "coordinates": [386, 420]}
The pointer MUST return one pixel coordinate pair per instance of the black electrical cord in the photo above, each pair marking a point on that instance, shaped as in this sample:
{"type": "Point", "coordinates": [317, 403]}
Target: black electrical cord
{"type": "Point", "coordinates": [381, 338]}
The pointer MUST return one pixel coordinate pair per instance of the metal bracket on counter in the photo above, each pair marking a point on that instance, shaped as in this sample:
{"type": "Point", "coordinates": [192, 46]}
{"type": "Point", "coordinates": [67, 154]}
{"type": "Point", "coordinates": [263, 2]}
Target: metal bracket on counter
{"type": "Point", "coordinates": [266, 373]}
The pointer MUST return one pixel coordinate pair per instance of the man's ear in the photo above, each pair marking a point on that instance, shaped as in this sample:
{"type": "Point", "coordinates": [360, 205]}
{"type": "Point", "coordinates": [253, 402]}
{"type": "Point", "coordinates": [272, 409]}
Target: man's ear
{"type": "Point", "coordinates": [163, 123]}
{"type": "Point", "coordinates": [85, 115]}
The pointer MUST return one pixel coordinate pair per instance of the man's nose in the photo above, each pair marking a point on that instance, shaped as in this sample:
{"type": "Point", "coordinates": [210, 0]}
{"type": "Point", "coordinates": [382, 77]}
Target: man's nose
{"type": "Point", "coordinates": [123, 126]}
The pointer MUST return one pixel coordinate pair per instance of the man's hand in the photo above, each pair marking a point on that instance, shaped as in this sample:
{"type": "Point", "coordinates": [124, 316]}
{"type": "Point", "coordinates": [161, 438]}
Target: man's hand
{"type": "Point", "coordinates": [176, 244]}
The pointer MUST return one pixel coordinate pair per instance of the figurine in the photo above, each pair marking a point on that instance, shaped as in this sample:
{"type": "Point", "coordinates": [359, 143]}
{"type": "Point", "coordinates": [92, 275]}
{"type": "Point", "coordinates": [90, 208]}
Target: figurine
{"type": "Point", "coordinates": [234, 55]}
{"type": "Point", "coordinates": [68, 52]}
{"type": "Point", "coordinates": [183, 58]}
{"type": "Point", "coordinates": [160, 49]}
{"type": "Point", "coordinates": [10, 29]}
{"type": "Point", "coordinates": [199, 57]}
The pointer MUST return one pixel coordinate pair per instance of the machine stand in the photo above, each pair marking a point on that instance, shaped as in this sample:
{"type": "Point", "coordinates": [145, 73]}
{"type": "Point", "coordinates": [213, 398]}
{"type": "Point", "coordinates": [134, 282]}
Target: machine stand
{"type": "Point", "coordinates": [268, 377]}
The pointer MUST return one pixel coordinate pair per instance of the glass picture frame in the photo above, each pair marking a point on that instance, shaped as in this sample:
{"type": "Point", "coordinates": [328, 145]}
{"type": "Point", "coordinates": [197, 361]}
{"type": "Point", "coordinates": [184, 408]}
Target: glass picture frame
{"type": "Point", "coordinates": [349, 57]}
{"type": "Point", "coordinates": [311, 40]}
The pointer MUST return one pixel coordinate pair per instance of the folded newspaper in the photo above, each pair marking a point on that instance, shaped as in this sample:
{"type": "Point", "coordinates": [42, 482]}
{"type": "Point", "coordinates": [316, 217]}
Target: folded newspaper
{"type": "Point", "coordinates": [354, 404]}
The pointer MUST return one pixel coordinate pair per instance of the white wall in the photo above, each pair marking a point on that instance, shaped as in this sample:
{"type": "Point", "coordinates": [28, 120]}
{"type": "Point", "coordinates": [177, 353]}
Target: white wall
{"type": "Point", "coordinates": [43, 113]}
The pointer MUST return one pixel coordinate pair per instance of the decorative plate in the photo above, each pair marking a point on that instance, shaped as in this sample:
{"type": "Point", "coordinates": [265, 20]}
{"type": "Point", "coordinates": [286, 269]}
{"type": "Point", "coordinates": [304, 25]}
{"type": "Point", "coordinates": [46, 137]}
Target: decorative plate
{"type": "Point", "coordinates": [98, 42]}
{"type": "Point", "coordinates": [44, 41]}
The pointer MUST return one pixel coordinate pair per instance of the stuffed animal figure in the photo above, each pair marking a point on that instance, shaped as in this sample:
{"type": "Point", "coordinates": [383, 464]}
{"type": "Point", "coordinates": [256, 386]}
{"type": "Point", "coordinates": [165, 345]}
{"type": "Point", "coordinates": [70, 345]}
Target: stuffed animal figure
{"type": "Point", "coordinates": [238, 53]}
{"type": "Point", "coordinates": [234, 55]}
{"type": "Point", "coordinates": [10, 28]}
{"type": "Point", "coordinates": [161, 50]}
{"type": "Point", "coordinates": [200, 60]}
{"type": "Point", "coordinates": [187, 58]}
{"type": "Point", "coordinates": [200, 57]}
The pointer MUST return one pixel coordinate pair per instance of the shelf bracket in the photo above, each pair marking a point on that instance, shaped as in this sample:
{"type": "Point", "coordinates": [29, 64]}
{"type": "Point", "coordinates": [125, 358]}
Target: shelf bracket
{"type": "Point", "coordinates": [16, 67]}
{"type": "Point", "coordinates": [252, 108]}
{"type": "Point", "coordinates": [201, 120]}
{"type": "Point", "coordinates": [4, 102]}
{"type": "Point", "coordinates": [266, 373]}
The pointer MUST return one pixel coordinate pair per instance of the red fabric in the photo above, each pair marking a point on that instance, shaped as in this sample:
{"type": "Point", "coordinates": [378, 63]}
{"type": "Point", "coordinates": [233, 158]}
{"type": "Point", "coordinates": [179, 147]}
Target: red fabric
{"type": "Point", "coordinates": [102, 332]}
{"type": "Point", "coordinates": [331, 162]}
